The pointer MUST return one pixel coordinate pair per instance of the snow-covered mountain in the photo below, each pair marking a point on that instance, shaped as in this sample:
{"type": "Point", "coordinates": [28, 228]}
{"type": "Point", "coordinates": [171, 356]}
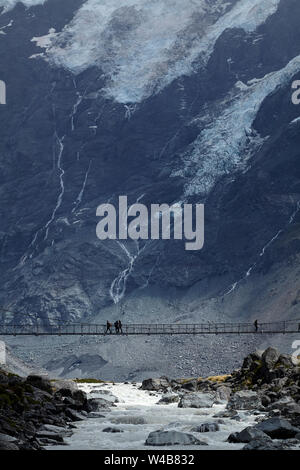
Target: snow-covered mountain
{"type": "Point", "coordinates": [163, 101]}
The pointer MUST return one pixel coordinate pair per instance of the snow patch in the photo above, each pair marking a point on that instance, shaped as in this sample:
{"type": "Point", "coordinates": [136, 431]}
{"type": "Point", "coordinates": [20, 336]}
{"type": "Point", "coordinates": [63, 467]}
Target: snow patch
{"type": "Point", "coordinates": [10, 4]}
{"type": "Point", "coordinates": [45, 41]}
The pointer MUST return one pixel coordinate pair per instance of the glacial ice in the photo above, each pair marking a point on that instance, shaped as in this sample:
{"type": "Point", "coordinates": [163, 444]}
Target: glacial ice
{"type": "Point", "coordinates": [228, 141]}
{"type": "Point", "coordinates": [143, 46]}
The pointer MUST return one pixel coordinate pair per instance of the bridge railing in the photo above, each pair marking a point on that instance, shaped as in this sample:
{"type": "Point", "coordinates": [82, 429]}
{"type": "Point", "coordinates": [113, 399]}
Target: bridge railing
{"type": "Point", "coordinates": [152, 329]}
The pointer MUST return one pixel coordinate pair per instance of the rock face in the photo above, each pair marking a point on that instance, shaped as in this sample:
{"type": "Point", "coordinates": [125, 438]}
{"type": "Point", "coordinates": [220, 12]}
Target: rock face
{"type": "Point", "coordinates": [171, 438]}
{"type": "Point", "coordinates": [197, 400]}
{"type": "Point", "coordinates": [70, 152]}
{"type": "Point", "coordinates": [244, 400]}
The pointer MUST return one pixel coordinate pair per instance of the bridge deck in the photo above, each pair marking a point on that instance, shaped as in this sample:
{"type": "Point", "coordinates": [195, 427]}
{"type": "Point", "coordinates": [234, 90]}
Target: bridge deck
{"type": "Point", "coordinates": [291, 327]}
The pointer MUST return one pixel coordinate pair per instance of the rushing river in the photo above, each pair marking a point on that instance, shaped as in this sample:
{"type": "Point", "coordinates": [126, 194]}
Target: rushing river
{"type": "Point", "coordinates": [137, 414]}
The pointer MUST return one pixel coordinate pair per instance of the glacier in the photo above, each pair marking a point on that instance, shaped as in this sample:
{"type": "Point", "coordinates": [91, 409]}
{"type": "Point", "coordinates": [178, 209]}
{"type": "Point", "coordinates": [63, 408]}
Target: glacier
{"type": "Point", "coordinates": [142, 47]}
{"type": "Point", "coordinates": [228, 140]}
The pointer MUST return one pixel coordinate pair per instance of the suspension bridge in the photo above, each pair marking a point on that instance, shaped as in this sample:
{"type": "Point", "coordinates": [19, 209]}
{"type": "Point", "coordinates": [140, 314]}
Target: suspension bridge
{"type": "Point", "coordinates": [90, 329]}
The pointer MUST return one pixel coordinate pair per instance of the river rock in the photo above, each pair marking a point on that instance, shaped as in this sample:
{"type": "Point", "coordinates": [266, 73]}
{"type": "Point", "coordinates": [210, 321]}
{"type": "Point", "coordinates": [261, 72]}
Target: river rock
{"type": "Point", "coordinates": [244, 400]}
{"type": "Point", "coordinates": [278, 428]}
{"type": "Point", "coordinates": [246, 435]}
{"type": "Point", "coordinates": [285, 360]}
{"type": "Point", "coordinates": [251, 359]}
{"type": "Point", "coordinates": [270, 358]}
{"type": "Point", "coordinates": [167, 399]}
{"type": "Point", "coordinates": [197, 400]}
{"type": "Point", "coordinates": [73, 415]}
{"type": "Point", "coordinates": [5, 445]}
{"type": "Point", "coordinates": [231, 414]}
{"type": "Point", "coordinates": [206, 427]}
{"type": "Point", "coordinates": [262, 443]}
{"type": "Point", "coordinates": [172, 438]}
{"type": "Point", "coordinates": [97, 404]}
{"type": "Point", "coordinates": [112, 430]}
{"type": "Point", "coordinates": [50, 435]}
{"type": "Point", "coordinates": [281, 404]}
{"type": "Point", "coordinates": [223, 393]}
{"type": "Point", "coordinates": [7, 438]}
{"type": "Point", "coordinates": [56, 429]}
{"type": "Point", "coordinates": [129, 420]}
{"type": "Point", "coordinates": [156, 384]}
{"type": "Point", "coordinates": [191, 385]}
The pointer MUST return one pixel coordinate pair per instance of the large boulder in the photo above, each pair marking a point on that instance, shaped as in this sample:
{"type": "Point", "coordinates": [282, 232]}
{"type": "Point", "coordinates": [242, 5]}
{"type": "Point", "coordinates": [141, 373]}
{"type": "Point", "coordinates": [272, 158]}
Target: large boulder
{"type": "Point", "coordinates": [278, 428]}
{"type": "Point", "coordinates": [246, 435]}
{"type": "Point", "coordinates": [244, 400]}
{"type": "Point", "coordinates": [223, 393]}
{"type": "Point", "coordinates": [172, 438]}
{"type": "Point", "coordinates": [197, 400]}
{"type": "Point", "coordinates": [97, 404]}
{"type": "Point", "coordinates": [270, 358]}
{"type": "Point", "coordinates": [156, 384]}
